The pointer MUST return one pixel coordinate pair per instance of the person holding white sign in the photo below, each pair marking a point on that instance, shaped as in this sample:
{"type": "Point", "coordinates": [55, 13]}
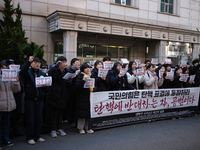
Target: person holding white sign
{"type": "Point", "coordinates": [58, 96]}
{"type": "Point", "coordinates": [117, 81]}
{"type": "Point", "coordinates": [101, 83]}
{"type": "Point", "coordinates": [151, 80]}
{"type": "Point", "coordinates": [34, 99]}
{"type": "Point", "coordinates": [168, 83]}
{"type": "Point", "coordinates": [83, 100]}
{"type": "Point", "coordinates": [177, 74]}
{"type": "Point", "coordinates": [7, 104]}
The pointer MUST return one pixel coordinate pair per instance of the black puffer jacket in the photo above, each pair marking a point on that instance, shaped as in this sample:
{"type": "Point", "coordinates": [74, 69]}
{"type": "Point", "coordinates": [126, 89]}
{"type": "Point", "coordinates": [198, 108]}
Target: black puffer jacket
{"type": "Point", "coordinates": [82, 98]}
{"type": "Point", "coordinates": [28, 76]}
{"type": "Point", "coordinates": [58, 93]}
{"type": "Point", "coordinates": [100, 85]}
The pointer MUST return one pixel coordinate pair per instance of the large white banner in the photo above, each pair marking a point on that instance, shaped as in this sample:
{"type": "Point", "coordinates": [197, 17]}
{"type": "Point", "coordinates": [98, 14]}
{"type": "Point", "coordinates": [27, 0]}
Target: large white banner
{"type": "Point", "coordinates": [122, 102]}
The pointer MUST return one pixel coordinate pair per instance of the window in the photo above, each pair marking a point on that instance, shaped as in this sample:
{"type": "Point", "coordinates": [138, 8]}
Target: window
{"type": "Point", "coordinates": [166, 6]}
{"type": "Point", "coordinates": [123, 2]}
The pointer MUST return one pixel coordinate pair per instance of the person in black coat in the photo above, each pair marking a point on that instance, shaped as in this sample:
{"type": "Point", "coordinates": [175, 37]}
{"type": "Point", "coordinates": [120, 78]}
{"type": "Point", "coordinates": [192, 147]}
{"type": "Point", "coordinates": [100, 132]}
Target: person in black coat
{"type": "Point", "coordinates": [74, 68]}
{"type": "Point", "coordinates": [58, 95]}
{"type": "Point", "coordinates": [83, 100]}
{"type": "Point", "coordinates": [101, 83]}
{"type": "Point", "coordinates": [34, 99]}
{"type": "Point", "coordinates": [117, 81]}
{"type": "Point", "coordinates": [177, 74]}
{"type": "Point", "coordinates": [168, 83]}
{"type": "Point", "coordinates": [193, 69]}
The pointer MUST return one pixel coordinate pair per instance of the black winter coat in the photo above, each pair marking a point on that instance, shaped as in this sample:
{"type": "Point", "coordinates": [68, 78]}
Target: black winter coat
{"type": "Point", "coordinates": [177, 83]}
{"type": "Point", "coordinates": [28, 76]}
{"type": "Point", "coordinates": [58, 93]}
{"type": "Point", "coordinates": [82, 98]}
{"type": "Point", "coordinates": [117, 83]}
{"type": "Point", "coordinates": [100, 85]}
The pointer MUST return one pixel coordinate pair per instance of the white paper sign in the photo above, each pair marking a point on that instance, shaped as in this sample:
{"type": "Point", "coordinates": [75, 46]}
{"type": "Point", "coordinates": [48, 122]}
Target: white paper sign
{"type": "Point", "coordinates": [168, 60]}
{"type": "Point", "coordinates": [170, 75]}
{"type": "Point", "coordinates": [41, 81]}
{"type": "Point", "coordinates": [69, 76]}
{"type": "Point", "coordinates": [172, 69]}
{"type": "Point", "coordinates": [89, 83]}
{"type": "Point", "coordinates": [102, 72]}
{"type": "Point", "coordinates": [155, 61]}
{"type": "Point", "coordinates": [161, 72]}
{"type": "Point", "coordinates": [9, 74]}
{"type": "Point", "coordinates": [138, 62]}
{"type": "Point", "coordinates": [123, 71]}
{"type": "Point", "coordinates": [124, 61]}
{"type": "Point", "coordinates": [15, 67]}
{"type": "Point", "coordinates": [192, 77]}
{"type": "Point", "coordinates": [184, 77]}
{"type": "Point", "coordinates": [108, 65]}
{"type": "Point", "coordinates": [92, 63]}
{"type": "Point", "coordinates": [184, 63]}
{"type": "Point", "coordinates": [140, 72]}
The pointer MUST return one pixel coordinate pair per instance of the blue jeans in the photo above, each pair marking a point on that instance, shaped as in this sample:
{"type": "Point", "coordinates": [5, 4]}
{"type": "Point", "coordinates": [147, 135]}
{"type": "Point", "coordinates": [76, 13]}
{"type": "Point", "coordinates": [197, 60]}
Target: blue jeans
{"type": "Point", "coordinates": [34, 120]}
{"type": "Point", "coordinates": [4, 127]}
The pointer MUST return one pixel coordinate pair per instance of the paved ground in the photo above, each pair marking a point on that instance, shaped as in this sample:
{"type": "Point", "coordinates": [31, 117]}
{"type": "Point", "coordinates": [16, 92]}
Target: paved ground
{"type": "Point", "coordinates": [179, 134]}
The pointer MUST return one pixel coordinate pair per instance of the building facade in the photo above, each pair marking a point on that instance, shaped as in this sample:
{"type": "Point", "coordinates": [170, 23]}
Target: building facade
{"type": "Point", "coordinates": [132, 29]}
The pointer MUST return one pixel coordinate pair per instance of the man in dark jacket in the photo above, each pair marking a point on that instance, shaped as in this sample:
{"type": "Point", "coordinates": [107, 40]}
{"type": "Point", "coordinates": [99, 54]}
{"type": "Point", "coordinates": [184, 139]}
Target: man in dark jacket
{"type": "Point", "coordinates": [58, 95]}
{"type": "Point", "coordinates": [74, 68]}
{"type": "Point", "coordinates": [34, 99]}
{"type": "Point", "coordinates": [195, 67]}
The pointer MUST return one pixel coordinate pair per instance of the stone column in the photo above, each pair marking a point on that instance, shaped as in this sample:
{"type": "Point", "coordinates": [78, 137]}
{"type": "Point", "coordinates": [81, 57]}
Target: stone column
{"type": "Point", "coordinates": [70, 45]}
{"type": "Point", "coordinates": [162, 51]}
{"type": "Point", "coordinates": [195, 51]}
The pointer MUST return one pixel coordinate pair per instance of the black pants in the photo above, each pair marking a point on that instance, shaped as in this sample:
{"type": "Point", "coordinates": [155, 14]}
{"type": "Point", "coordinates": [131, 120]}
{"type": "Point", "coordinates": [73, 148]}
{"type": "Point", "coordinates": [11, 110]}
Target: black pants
{"type": "Point", "coordinates": [33, 113]}
{"type": "Point", "coordinates": [56, 119]}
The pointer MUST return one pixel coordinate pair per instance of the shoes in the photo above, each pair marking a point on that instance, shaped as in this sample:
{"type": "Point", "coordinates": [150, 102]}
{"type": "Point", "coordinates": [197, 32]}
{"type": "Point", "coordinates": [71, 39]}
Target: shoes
{"type": "Point", "coordinates": [8, 144]}
{"type": "Point", "coordinates": [53, 134]}
{"type": "Point", "coordinates": [61, 132]}
{"type": "Point", "coordinates": [40, 140]}
{"type": "Point", "coordinates": [31, 142]}
{"type": "Point", "coordinates": [81, 131]}
{"type": "Point", "coordinates": [89, 131]}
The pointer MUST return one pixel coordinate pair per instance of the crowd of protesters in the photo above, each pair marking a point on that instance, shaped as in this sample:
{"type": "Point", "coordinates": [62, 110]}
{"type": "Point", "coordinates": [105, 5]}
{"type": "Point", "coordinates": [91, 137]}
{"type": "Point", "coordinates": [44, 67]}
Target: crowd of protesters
{"type": "Point", "coordinates": [47, 107]}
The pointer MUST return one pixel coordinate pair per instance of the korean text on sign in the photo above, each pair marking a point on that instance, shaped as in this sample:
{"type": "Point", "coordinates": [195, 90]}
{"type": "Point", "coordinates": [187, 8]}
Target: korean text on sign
{"type": "Point", "coordinates": [43, 81]}
{"type": "Point", "coordinates": [102, 72]}
{"type": "Point", "coordinates": [9, 75]}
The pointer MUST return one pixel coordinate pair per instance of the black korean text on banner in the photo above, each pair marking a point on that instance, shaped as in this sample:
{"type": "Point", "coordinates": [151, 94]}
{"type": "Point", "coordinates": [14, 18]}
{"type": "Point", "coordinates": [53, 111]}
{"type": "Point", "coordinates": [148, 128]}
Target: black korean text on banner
{"type": "Point", "coordinates": [108, 65]}
{"type": "Point", "coordinates": [155, 61]}
{"type": "Point", "coordinates": [161, 72]}
{"type": "Point", "coordinates": [43, 81]}
{"type": "Point", "coordinates": [89, 83]}
{"type": "Point", "coordinates": [140, 72]}
{"type": "Point", "coordinates": [102, 72]}
{"type": "Point", "coordinates": [112, 108]}
{"type": "Point", "coordinates": [170, 75]}
{"type": "Point", "coordinates": [9, 74]}
{"type": "Point", "coordinates": [69, 76]}
{"type": "Point", "coordinates": [184, 77]}
{"type": "Point", "coordinates": [123, 71]}
{"type": "Point", "coordinates": [192, 77]}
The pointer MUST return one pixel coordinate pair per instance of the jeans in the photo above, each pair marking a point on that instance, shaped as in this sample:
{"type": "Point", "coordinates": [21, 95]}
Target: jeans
{"type": "Point", "coordinates": [34, 119]}
{"type": "Point", "coordinates": [4, 127]}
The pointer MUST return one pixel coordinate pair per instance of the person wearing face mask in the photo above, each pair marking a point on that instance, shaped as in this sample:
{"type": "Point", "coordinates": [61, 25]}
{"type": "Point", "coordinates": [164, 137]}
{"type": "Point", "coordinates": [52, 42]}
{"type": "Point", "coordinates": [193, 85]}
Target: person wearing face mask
{"type": "Point", "coordinates": [151, 80]}
{"type": "Point", "coordinates": [7, 104]}
{"type": "Point", "coordinates": [195, 67]}
{"type": "Point", "coordinates": [58, 96]}
{"type": "Point", "coordinates": [83, 100]}
{"type": "Point", "coordinates": [74, 68]}
{"type": "Point", "coordinates": [167, 83]}
{"type": "Point", "coordinates": [34, 99]}
{"type": "Point", "coordinates": [117, 81]}
{"type": "Point", "coordinates": [101, 83]}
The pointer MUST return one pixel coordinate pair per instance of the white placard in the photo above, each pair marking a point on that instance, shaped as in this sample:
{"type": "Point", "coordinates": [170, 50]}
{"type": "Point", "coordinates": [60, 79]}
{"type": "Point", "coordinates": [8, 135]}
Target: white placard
{"type": "Point", "coordinates": [155, 61]}
{"type": "Point", "coordinates": [123, 71]}
{"type": "Point", "coordinates": [161, 72]}
{"type": "Point", "coordinates": [89, 83]}
{"type": "Point", "coordinates": [184, 63]}
{"type": "Point", "coordinates": [184, 77]}
{"type": "Point", "coordinates": [41, 81]}
{"type": "Point", "coordinates": [69, 76]}
{"type": "Point", "coordinates": [9, 74]}
{"type": "Point", "coordinates": [170, 75]}
{"type": "Point", "coordinates": [92, 63]}
{"type": "Point", "coordinates": [140, 72]}
{"type": "Point", "coordinates": [192, 77]}
{"type": "Point", "coordinates": [172, 70]}
{"type": "Point", "coordinates": [124, 61]}
{"type": "Point", "coordinates": [108, 65]}
{"type": "Point", "coordinates": [102, 72]}
{"type": "Point", "coordinates": [168, 60]}
{"type": "Point", "coordinates": [138, 62]}
{"type": "Point", "coordinates": [15, 67]}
